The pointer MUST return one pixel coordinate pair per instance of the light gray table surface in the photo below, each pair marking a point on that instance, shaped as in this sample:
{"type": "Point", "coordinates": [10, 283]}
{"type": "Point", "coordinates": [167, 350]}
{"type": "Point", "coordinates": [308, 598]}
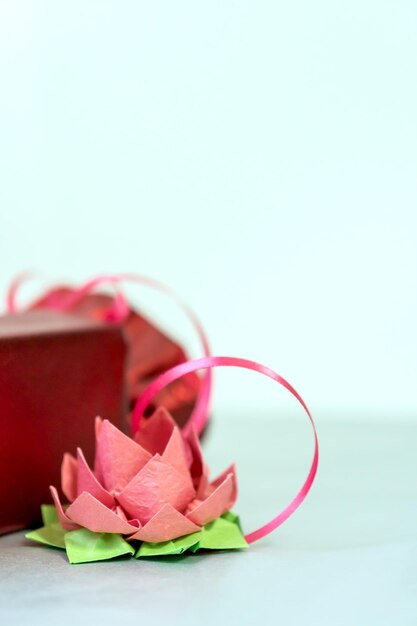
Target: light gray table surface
{"type": "Point", "coordinates": [347, 557]}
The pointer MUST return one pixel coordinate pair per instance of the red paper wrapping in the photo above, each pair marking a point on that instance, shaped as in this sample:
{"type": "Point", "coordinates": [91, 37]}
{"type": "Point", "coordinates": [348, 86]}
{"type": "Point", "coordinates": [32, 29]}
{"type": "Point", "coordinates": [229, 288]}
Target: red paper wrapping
{"type": "Point", "coordinates": [57, 372]}
{"type": "Point", "coordinates": [150, 352]}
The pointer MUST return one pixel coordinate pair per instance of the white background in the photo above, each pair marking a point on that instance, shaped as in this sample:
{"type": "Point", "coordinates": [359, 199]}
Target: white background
{"type": "Point", "coordinates": [259, 157]}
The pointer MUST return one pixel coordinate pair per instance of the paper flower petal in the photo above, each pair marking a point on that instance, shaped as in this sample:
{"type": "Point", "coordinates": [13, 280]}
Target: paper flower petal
{"type": "Point", "coordinates": [62, 516]}
{"type": "Point", "coordinates": [119, 511]}
{"type": "Point", "coordinates": [69, 476]}
{"type": "Point", "coordinates": [156, 484]}
{"type": "Point", "coordinates": [155, 432]}
{"type": "Point", "coordinates": [215, 505]}
{"type": "Point", "coordinates": [198, 469]}
{"type": "Point", "coordinates": [90, 513]}
{"type": "Point", "coordinates": [86, 481]}
{"type": "Point", "coordinates": [119, 458]}
{"type": "Point", "coordinates": [174, 454]}
{"type": "Point", "coordinates": [165, 525]}
{"type": "Point", "coordinates": [97, 426]}
{"type": "Point", "coordinates": [220, 479]}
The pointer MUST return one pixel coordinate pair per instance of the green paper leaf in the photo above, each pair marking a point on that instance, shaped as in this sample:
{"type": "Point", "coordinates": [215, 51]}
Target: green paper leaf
{"type": "Point", "coordinates": [49, 514]}
{"type": "Point", "coordinates": [232, 517]}
{"type": "Point", "coordinates": [221, 534]}
{"type": "Point", "coordinates": [175, 546]}
{"type": "Point", "coordinates": [50, 535]}
{"type": "Point", "coordinates": [84, 546]}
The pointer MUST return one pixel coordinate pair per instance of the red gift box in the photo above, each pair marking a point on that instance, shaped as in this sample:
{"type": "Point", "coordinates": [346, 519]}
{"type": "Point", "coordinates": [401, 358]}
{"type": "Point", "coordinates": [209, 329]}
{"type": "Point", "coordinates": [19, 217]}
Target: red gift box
{"type": "Point", "coordinates": [57, 372]}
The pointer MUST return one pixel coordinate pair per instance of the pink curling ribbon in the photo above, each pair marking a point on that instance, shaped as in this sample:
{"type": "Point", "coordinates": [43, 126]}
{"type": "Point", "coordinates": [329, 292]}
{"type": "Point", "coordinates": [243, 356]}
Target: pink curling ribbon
{"type": "Point", "coordinates": [227, 361]}
{"type": "Point", "coordinates": [119, 311]}
{"type": "Point", "coordinates": [11, 306]}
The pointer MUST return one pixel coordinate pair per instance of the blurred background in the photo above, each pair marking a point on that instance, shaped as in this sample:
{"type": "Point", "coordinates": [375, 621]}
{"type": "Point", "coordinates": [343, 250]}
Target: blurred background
{"type": "Point", "coordinates": [258, 157]}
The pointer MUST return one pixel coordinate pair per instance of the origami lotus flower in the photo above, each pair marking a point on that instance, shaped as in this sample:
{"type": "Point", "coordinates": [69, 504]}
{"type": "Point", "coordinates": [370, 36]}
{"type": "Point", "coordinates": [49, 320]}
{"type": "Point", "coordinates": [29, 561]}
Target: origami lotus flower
{"type": "Point", "coordinates": [152, 488]}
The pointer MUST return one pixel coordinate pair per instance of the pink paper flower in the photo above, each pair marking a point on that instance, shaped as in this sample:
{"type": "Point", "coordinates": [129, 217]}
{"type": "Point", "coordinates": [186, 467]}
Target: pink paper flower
{"type": "Point", "coordinates": [153, 487]}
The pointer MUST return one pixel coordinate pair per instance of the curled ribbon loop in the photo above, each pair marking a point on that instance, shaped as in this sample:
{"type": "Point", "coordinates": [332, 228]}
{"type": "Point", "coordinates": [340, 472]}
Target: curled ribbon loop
{"type": "Point", "coordinates": [14, 286]}
{"type": "Point", "coordinates": [119, 311]}
{"type": "Point", "coordinates": [225, 361]}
